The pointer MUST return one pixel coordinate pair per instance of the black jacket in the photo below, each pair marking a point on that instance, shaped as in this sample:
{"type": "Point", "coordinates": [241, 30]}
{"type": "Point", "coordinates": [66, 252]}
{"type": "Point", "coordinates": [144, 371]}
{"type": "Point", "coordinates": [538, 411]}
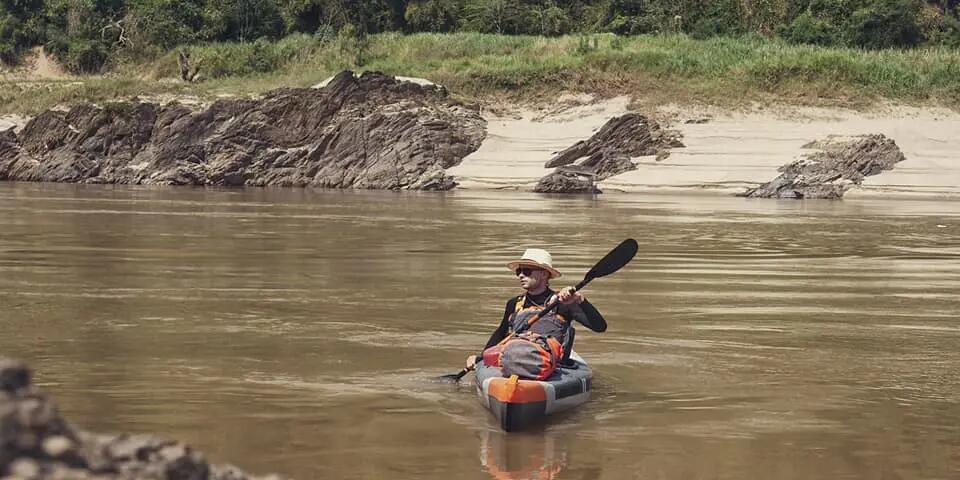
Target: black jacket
{"type": "Point", "coordinates": [584, 313]}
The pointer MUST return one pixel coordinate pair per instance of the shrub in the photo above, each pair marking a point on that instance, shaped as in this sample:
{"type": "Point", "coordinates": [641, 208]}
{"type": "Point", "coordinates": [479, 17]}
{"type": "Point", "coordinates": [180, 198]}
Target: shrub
{"type": "Point", "coordinates": [885, 24]}
{"type": "Point", "coordinates": [938, 27]}
{"type": "Point", "coordinates": [84, 56]}
{"type": "Point", "coordinates": [20, 28]}
{"type": "Point", "coordinates": [9, 48]}
{"type": "Point", "coordinates": [325, 33]}
{"type": "Point", "coordinates": [585, 46]}
{"type": "Point", "coordinates": [718, 17]}
{"type": "Point", "coordinates": [808, 29]}
{"type": "Point", "coordinates": [165, 23]}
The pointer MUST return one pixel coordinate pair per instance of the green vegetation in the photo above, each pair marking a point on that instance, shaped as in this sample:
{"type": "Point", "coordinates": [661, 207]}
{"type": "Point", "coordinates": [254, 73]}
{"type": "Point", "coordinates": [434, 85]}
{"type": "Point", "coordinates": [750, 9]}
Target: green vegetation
{"type": "Point", "coordinates": [655, 68]}
{"type": "Point", "coordinates": [89, 36]}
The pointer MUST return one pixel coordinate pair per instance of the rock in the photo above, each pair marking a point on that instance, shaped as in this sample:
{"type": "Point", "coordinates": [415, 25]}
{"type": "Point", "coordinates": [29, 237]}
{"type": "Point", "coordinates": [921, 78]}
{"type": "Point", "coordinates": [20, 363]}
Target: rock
{"type": "Point", "coordinates": [608, 153]}
{"type": "Point", "coordinates": [230, 472]}
{"type": "Point", "coordinates": [567, 180]}
{"type": "Point", "coordinates": [370, 131]}
{"type": "Point", "coordinates": [58, 446]}
{"type": "Point", "coordinates": [14, 376]}
{"type": "Point", "coordinates": [36, 443]}
{"type": "Point", "coordinates": [24, 468]}
{"type": "Point", "coordinates": [612, 163]}
{"type": "Point", "coordinates": [840, 164]}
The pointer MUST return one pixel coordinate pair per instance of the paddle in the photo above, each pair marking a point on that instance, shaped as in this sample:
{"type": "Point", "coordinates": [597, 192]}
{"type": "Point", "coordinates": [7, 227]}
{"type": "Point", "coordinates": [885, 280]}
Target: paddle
{"type": "Point", "coordinates": [613, 261]}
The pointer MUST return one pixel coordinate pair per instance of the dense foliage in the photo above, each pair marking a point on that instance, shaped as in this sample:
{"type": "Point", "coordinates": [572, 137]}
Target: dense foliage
{"type": "Point", "coordinates": [86, 35]}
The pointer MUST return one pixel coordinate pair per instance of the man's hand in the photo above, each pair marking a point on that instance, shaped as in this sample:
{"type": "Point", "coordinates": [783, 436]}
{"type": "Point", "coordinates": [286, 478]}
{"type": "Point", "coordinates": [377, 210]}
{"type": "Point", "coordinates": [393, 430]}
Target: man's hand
{"type": "Point", "coordinates": [568, 296]}
{"type": "Point", "coordinates": [471, 362]}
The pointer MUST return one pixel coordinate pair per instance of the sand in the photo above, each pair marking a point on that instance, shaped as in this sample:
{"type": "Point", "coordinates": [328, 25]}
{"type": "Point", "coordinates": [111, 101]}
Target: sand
{"type": "Point", "coordinates": [725, 155]}
{"type": "Point", "coordinates": [37, 66]}
{"type": "Point", "coordinates": [519, 143]}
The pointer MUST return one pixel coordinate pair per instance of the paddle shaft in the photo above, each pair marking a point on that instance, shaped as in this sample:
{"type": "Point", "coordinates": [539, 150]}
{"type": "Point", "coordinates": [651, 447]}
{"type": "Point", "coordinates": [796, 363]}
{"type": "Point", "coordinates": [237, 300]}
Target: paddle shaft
{"type": "Point", "coordinates": [556, 303]}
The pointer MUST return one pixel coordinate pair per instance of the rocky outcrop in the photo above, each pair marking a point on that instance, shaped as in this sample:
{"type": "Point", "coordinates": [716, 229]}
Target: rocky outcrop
{"type": "Point", "coordinates": [36, 443]}
{"type": "Point", "coordinates": [839, 164]}
{"type": "Point", "coordinates": [367, 132]}
{"type": "Point", "coordinates": [607, 153]}
{"type": "Point", "coordinates": [569, 179]}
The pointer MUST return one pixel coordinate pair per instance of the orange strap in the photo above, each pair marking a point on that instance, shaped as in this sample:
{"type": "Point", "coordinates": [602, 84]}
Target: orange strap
{"type": "Point", "coordinates": [519, 308]}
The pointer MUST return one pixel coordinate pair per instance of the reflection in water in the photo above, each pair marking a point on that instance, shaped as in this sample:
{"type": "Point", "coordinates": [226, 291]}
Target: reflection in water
{"type": "Point", "coordinates": [524, 456]}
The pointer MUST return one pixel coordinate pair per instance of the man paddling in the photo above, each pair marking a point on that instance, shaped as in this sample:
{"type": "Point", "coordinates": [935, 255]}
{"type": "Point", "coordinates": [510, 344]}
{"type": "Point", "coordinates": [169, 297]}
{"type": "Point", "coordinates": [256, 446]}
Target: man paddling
{"type": "Point", "coordinates": [534, 271]}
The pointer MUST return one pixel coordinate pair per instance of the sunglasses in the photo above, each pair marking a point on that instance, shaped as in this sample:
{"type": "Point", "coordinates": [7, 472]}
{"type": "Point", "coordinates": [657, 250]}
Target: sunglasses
{"type": "Point", "coordinates": [526, 271]}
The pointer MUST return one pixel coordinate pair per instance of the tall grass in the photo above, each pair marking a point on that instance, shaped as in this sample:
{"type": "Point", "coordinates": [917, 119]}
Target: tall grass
{"type": "Point", "coordinates": [664, 68]}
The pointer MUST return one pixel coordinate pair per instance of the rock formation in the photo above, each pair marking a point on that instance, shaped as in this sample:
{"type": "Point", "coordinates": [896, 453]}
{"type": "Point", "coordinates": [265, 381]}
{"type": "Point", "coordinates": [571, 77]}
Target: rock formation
{"type": "Point", "coordinates": [607, 153]}
{"type": "Point", "coordinates": [568, 179]}
{"type": "Point", "coordinates": [37, 444]}
{"type": "Point", "coordinates": [366, 132]}
{"type": "Point", "coordinates": [839, 164]}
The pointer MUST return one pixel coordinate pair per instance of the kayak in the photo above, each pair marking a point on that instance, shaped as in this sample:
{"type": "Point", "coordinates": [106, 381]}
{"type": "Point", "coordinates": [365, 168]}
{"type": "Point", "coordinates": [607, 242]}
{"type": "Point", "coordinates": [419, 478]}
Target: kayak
{"type": "Point", "coordinates": [518, 404]}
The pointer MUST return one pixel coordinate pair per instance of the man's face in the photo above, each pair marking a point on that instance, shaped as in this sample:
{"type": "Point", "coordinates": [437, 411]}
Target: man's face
{"type": "Point", "coordinates": [532, 278]}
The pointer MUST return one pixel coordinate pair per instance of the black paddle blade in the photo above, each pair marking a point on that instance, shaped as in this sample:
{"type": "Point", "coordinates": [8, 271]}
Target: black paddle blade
{"type": "Point", "coordinates": [615, 260]}
{"type": "Point", "coordinates": [453, 377]}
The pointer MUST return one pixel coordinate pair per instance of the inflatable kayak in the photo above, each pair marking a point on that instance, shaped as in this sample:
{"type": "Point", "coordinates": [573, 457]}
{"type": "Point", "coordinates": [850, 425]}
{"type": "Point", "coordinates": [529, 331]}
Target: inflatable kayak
{"type": "Point", "coordinates": [518, 404]}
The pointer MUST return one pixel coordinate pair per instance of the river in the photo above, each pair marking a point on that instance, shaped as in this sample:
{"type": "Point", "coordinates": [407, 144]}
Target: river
{"type": "Point", "coordinates": [298, 331]}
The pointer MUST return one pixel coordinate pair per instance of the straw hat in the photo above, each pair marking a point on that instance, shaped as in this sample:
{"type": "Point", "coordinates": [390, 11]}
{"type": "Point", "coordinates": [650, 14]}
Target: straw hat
{"type": "Point", "coordinates": [536, 257]}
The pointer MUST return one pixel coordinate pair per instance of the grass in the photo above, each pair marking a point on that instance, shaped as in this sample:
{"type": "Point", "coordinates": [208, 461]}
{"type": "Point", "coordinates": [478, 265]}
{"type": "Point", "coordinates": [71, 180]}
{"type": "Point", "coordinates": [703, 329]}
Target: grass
{"type": "Point", "coordinates": [659, 68]}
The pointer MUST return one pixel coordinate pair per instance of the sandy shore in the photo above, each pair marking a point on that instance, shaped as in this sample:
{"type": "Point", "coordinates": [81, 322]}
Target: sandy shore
{"type": "Point", "coordinates": [728, 153]}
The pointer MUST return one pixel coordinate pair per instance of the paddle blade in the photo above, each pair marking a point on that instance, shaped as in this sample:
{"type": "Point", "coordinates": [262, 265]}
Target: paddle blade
{"type": "Point", "coordinates": [453, 377]}
{"type": "Point", "coordinates": [615, 260]}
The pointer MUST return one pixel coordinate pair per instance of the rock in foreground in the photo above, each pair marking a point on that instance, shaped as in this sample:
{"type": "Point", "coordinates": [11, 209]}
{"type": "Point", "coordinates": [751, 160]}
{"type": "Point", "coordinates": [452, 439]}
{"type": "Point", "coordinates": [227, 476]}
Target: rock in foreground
{"type": "Point", "coordinates": [367, 132]}
{"type": "Point", "coordinates": [840, 164]}
{"type": "Point", "coordinates": [607, 153]}
{"type": "Point", "coordinates": [37, 444]}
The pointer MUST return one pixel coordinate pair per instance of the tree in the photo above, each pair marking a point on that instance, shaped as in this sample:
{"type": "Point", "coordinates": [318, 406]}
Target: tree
{"type": "Point", "coordinates": [82, 33]}
{"type": "Point", "coordinates": [165, 23]}
{"type": "Point", "coordinates": [21, 27]}
{"type": "Point", "coordinates": [493, 16]}
{"type": "Point", "coordinates": [243, 20]}
{"type": "Point", "coordinates": [432, 15]}
{"type": "Point", "coordinates": [549, 19]}
{"type": "Point", "coordinates": [885, 24]}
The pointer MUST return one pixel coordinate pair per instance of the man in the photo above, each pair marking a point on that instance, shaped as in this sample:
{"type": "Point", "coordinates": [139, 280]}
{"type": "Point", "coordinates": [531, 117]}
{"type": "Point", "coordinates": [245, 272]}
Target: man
{"type": "Point", "coordinates": [534, 271]}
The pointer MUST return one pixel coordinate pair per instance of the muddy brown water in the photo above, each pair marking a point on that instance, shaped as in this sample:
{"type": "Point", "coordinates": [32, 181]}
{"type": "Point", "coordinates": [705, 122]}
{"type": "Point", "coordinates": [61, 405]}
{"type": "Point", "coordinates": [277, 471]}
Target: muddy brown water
{"type": "Point", "coordinates": [296, 331]}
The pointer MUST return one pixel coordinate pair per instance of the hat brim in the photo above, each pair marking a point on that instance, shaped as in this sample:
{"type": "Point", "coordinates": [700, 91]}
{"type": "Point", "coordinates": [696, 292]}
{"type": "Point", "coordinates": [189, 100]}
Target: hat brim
{"type": "Point", "coordinates": [554, 273]}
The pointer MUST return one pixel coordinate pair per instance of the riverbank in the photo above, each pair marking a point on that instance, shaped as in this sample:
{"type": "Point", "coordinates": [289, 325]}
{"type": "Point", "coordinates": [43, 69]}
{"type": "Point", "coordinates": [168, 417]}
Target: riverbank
{"type": "Point", "coordinates": [727, 150]}
{"type": "Point", "coordinates": [743, 107]}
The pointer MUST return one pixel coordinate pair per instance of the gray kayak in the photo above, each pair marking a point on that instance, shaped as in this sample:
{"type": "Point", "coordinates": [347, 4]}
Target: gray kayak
{"type": "Point", "coordinates": [518, 404]}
